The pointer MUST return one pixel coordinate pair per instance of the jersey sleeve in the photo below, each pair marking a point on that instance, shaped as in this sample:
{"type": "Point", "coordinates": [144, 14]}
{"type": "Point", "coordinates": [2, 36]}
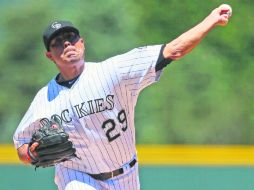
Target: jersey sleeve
{"type": "Point", "coordinates": [26, 127]}
{"type": "Point", "coordinates": [140, 67]}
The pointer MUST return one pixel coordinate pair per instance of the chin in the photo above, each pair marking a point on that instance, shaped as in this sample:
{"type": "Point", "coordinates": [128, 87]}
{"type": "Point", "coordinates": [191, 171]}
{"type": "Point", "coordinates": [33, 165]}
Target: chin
{"type": "Point", "coordinates": [73, 59]}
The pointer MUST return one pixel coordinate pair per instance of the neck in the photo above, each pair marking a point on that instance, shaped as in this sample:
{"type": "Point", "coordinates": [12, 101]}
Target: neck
{"type": "Point", "coordinates": [70, 72]}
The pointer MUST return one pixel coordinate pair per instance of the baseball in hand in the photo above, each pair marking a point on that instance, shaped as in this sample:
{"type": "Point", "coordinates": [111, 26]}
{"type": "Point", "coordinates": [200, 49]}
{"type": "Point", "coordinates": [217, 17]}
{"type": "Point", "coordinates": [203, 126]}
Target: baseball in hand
{"type": "Point", "coordinates": [226, 9]}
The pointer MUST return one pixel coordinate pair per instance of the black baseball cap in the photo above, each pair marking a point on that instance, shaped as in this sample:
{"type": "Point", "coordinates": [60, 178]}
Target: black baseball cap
{"type": "Point", "coordinates": [55, 28]}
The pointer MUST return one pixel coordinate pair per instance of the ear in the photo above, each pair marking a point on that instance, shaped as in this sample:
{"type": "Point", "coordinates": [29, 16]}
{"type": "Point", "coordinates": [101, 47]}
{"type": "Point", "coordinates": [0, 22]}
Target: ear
{"type": "Point", "coordinates": [49, 55]}
{"type": "Point", "coordinates": [82, 41]}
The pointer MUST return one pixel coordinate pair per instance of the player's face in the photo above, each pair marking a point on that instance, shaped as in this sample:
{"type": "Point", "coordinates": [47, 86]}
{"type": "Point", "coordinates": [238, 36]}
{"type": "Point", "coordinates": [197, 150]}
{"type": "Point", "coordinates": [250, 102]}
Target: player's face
{"type": "Point", "coordinates": [66, 47]}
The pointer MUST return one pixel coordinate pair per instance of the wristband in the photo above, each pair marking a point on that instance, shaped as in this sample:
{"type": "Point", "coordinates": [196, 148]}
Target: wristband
{"type": "Point", "coordinates": [30, 156]}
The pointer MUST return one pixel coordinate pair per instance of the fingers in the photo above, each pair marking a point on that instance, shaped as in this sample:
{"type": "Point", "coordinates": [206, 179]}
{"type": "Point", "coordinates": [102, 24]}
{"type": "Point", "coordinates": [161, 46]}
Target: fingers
{"type": "Point", "coordinates": [33, 147]}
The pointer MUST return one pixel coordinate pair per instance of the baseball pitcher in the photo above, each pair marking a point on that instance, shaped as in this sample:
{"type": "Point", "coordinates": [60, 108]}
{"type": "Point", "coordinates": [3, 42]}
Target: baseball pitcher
{"type": "Point", "coordinates": [82, 121]}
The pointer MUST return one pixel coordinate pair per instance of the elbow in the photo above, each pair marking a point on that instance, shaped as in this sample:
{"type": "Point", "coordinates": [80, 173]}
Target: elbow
{"type": "Point", "coordinates": [174, 51]}
{"type": "Point", "coordinates": [174, 54]}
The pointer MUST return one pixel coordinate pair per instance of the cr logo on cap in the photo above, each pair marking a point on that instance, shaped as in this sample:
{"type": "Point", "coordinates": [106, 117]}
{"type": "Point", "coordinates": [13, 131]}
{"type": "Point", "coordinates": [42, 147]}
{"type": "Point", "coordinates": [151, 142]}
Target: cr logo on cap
{"type": "Point", "coordinates": [56, 25]}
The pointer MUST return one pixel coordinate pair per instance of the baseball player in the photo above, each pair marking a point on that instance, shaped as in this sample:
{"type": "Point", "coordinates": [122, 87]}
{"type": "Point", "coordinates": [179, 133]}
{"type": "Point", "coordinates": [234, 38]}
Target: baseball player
{"type": "Point", "coordinates": [95, 103]}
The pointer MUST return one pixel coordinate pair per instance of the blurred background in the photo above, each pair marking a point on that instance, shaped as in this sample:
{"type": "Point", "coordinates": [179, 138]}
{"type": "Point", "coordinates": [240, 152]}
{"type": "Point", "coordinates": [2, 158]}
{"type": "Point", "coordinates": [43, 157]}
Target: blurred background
{"type": "Point", "coordinates": [202, 100]}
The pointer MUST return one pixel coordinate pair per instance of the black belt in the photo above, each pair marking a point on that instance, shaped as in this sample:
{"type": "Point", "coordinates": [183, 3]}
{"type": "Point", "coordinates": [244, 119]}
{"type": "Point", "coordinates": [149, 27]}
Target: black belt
{"type": "Point", "coordinates": [108, 175]}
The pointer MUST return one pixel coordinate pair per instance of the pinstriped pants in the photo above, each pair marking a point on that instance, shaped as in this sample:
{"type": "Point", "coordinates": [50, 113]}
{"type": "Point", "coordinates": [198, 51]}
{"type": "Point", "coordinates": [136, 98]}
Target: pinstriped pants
{"type": "Point", "coordinates": [68, 179]}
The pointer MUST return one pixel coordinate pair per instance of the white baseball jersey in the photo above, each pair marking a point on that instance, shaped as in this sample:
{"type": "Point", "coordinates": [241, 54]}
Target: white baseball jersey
{"type": "Point", "coordinates": [97, 110]}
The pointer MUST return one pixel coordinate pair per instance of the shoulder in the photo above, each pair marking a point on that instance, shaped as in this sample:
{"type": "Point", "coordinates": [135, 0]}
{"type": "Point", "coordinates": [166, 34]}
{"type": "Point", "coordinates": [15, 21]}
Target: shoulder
{"type": "Point", "coordinates": [44, 92]}
{"type": "Point", "coordinates": [136, 52]}
{"type": "Point", "coordinates": [38, 96]}
{"type": "Point", "coordinates": [91, 66]}
{"type": "Point", "coordinates": [41, 92]}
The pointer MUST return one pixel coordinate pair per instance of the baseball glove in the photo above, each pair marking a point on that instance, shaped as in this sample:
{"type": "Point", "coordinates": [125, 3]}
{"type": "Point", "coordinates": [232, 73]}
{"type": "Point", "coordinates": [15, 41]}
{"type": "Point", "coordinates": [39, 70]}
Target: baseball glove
{"type": "Point", "coordinates": [54, 145]}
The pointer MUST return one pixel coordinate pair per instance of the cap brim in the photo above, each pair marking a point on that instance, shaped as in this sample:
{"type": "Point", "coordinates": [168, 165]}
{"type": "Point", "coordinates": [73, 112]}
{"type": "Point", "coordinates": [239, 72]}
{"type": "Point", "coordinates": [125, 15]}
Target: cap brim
{"type": "Point", "coordinates": [63, 29]}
